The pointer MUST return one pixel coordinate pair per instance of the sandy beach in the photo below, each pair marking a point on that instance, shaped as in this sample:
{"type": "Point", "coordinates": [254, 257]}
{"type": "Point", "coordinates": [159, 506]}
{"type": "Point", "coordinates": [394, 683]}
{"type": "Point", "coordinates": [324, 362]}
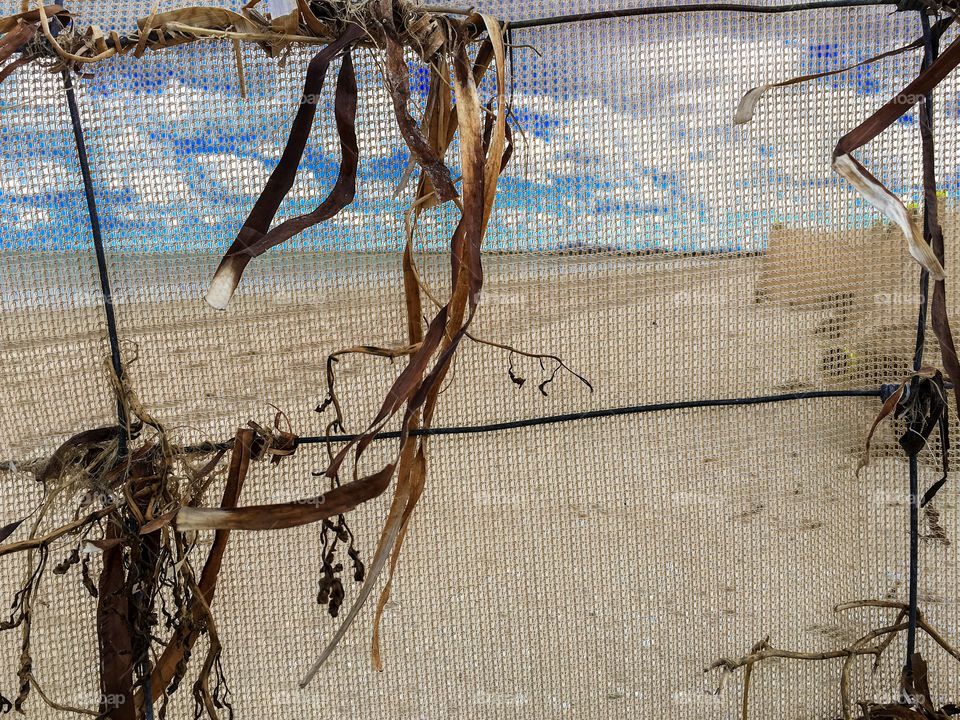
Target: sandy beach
{"type": "Point", "coordinates": [588, 569]}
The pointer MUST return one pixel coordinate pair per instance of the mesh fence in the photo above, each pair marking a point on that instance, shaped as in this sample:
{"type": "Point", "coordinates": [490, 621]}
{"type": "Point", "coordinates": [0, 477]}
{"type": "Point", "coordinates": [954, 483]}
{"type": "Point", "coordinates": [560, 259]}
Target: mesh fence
{"type": "Point", "coordinates": [586, 569]}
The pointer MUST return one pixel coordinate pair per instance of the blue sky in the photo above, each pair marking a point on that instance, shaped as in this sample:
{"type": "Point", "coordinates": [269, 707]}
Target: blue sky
{"type": "Point", "coordinates": [640, 153]}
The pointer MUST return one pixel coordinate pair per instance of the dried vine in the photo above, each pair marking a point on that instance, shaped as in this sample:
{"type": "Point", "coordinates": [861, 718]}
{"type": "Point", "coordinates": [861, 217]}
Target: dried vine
{"type": "Point", "coordinates": [918, 702]}
{"type": "Point", "coordinates": [146, 592]}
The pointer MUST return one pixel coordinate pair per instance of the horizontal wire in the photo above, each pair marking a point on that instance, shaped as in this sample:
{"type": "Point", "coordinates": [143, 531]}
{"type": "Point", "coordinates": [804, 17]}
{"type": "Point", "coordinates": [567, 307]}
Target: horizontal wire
{"type": "Point", "coordinates": [567, 417]}
{"type": "Point", "coordinates": [694, 7]}
{"type": "Point", "coordinates": [207, 447]}
{"type": "Point", "coordinates": [593, 414]}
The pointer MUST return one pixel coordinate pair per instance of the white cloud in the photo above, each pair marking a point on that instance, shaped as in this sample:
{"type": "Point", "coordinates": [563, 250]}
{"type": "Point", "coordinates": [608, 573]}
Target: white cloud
{"type": "Point", "coordinates": [31, 217]}
{"type": "Point", "coordinates": [152, 186]}
{"type": "Point", "coordinates": [235, 174]}
{"type": "Point", "coordinates": [35, 176]}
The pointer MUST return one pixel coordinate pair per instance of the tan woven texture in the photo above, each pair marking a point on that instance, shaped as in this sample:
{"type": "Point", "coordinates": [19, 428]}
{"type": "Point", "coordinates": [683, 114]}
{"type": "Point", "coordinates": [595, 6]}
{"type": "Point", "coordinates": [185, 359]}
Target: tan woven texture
{"type": "Point", "coordinates": [586, 569]}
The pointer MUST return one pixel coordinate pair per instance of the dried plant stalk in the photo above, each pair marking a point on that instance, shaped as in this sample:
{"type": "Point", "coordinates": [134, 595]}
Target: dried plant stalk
{"type": "Point", "coordinates": [873, 643]}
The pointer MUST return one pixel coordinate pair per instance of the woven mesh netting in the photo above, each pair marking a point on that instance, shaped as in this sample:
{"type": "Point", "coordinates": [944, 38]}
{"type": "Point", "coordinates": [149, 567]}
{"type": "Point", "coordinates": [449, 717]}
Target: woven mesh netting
{"type": "Point", "coordinates": [577, 569]}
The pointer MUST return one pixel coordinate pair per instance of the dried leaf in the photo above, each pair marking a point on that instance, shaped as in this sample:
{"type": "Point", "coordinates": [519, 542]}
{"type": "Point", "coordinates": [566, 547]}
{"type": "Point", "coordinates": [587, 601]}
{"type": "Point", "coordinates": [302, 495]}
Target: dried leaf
{"type": "Point", "coordinates": [889, 405]}
{"type": "Point", "coordinates": [916, 685]}
{"type": "Point", "coordinates": [414, 481]}
{"type": "Point", "coordinates": [455, 317]}
{"type": "Point", "coordinates": [892, 712]}
{"type": "Point", "coordinates": [103, 544]}
{"type": "Point", "coordinates": [12, 67]}
{"type": "Point", "coordinates": [871, 188]}
{"type": "Point", "coordinates": [748, 103]}
{"type": "Point", "coordinates": [939, 319]}
{"type": "Point", "coordinates": [159, 522]}
{"type": "Point", "coordinates": [345, 187]}
{"type": "Point", "coordinates": [922, 407]}
{"type": "Point", "coordinates": [10, 22]}
{"type": "Point", "coordinates": [284, 515]}
{"type": "Point", "coordinates": [252, 235]}
{"type": "Point", "coordinates": [210, 18]}
{"type": "Point", "coordinates": [75, 448]}
{"type": "Point", "coordinates": [12, 41]}
{"type": "Point", "coordinates": [892, 207]}
{"type": "Point", "coordinates": [932, 491]}
{"type": "Point", "coordinates": [8, 530]}
{"type": "Point", "coordinates": [388, 537]}
{"type": "Point", "coordinates": [398, 84]}
{"type": "Point", "coordinates": [316, 25]}
{"type": "Point", "coordinates": [114, 635]}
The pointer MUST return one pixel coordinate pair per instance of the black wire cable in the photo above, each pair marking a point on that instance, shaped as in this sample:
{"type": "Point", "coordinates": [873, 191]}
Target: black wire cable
{"type": "Point", "coordinates": [605, 413]}
{"type": "Point", "coordinates": [570, 417]}
{"type": "Point", "coordinates": [695, 7]}
{"type": "Point", "coordinates": [95, 231]}
{"type": "Point", "coordinates": [881, 392]}
{"type": "Point", "coordinates": [931, 50]}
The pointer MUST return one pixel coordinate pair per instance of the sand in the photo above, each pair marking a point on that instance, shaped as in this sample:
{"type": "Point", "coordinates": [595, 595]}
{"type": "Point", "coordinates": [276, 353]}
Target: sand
{"type": "Point", "coordinates": [589, 569]}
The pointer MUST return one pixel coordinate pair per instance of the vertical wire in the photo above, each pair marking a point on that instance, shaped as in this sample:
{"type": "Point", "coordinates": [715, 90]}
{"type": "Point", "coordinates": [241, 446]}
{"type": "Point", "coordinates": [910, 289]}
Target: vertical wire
{"type": "Point", "coordinates": [930, 53]}
{"type": "Point", "coordinates": [95, 231]}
